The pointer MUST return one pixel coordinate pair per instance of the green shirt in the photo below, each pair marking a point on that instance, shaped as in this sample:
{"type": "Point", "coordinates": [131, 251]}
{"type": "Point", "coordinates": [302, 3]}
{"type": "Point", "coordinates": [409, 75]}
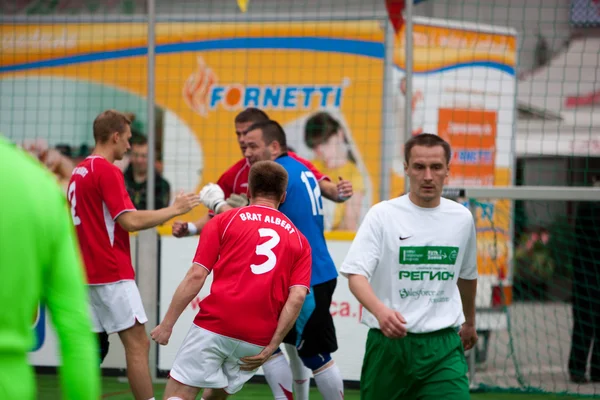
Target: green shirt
{"type": "Point", "coordinates": [138, 193]}
{"type": "Point", "coordinates": [40, 261]}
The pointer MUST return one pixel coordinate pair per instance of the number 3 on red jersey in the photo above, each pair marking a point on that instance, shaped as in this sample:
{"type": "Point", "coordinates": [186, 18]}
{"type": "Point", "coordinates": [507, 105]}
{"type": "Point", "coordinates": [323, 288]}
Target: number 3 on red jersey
{"type": "Point", "coordinates": [266, 249]}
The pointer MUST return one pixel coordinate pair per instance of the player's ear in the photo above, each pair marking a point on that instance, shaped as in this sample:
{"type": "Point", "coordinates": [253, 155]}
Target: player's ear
{"type": "Point", "coordinates": [115, 136]}
{"type": "Point", "coordinates": [283, 196]}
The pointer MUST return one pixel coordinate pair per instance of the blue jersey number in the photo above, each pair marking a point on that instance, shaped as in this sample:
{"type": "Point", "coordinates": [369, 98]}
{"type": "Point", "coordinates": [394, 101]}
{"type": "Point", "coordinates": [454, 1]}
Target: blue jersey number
{"type": "Point", "coordinates": [313, 193]}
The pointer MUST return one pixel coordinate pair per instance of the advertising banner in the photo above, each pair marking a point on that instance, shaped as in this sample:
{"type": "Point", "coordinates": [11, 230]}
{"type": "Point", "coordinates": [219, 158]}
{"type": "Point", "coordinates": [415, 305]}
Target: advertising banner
{"type": "Point", "coordinates": [61, 76]}
{"type": "Point", "coordinates": [464, 91]}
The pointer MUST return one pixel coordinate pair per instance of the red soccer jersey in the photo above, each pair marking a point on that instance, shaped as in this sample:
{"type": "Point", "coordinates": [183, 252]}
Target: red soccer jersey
{"type": "Point", "coordinates": [98, 196]}
{"type": "Point", "coordinates": [235, 179]}
{"type": "Point", "coordinates": [256, 255]}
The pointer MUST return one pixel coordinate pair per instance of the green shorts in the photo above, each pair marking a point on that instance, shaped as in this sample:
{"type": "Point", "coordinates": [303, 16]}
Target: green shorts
{"type": "Point", "coordinates": [428, 366]}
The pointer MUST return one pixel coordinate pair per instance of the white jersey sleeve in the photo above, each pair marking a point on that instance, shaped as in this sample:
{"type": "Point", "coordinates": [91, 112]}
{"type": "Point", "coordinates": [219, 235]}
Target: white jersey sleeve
{"type": "Point", "coordinates": [468, 269]}
{"type": "Point", "coordinates": [366, 248]}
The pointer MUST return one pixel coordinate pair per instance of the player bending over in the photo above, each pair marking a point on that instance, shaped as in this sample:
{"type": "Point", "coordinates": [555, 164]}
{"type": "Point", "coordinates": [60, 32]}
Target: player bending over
{"type": "Point", "coordinates": [314, 334]}
{"type": "Point", "coordinates": [104, 215]}
{"type": "Point", "coordinates": [233, 186]}
{"type": "Point", "coordinates": [262, 268]}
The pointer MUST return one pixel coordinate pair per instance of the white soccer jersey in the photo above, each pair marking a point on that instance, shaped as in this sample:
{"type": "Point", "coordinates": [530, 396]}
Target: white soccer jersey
{"type": "Point", "coordinates": [413, 258]}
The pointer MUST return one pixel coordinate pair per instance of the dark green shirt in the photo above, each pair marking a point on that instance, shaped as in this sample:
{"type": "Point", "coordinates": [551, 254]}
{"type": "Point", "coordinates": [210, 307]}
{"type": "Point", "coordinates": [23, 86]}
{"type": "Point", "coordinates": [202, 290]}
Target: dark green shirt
{"type": "Point", "coordinates": [137, 191]}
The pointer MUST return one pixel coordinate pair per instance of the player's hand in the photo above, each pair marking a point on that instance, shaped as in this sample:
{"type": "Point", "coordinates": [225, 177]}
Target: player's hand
{"type": "Point", "coordinates": [184, 202]}
{"type": "Point", "coordinates": [344, 188]}
{"type": "Point", "coordinates": [391, 323]}
{"type": "Point", "coordinates": [180, 229]}
{"type": "Point", "coordinates": [251, 363]}
{"type": "Point", "coordinates": [161, 335]}
{"type": "Point", "coordinates": [238, 200]}
{"type": "Point", "coordinates": [468, 335]}
{"type": "Point", "coordinates": [212, 196]}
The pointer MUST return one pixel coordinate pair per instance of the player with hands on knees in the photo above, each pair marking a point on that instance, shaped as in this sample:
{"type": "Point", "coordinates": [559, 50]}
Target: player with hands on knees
{"type": "Point", "coordinates": [233, 335]}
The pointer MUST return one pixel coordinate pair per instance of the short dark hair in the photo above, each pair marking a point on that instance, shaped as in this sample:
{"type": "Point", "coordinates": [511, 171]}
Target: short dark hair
{"type": "Point", "coordinates": [319, 128]}
{"type": "Point", "coordinates": [271, 132]}
{"type": "Point", "coordinates": [267, 179]}
{"type": "Point", "coordinates": [251, 114]}
{"type": "Point", "coordinates": [427, 140]}
{"type": "Point", "coordinates": [109, 122]}
{"type": "Point", "coordinates": [138, 138]}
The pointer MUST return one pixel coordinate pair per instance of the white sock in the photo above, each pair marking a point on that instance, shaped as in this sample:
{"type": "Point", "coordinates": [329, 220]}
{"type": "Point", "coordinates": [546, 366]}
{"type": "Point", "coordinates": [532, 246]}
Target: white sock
{"type": "Point", "coordinates": [279, 377]}
{"type": "Point", "coordinates": [330, 383]}
{"type": "Point", "coordinates": [300, 373]}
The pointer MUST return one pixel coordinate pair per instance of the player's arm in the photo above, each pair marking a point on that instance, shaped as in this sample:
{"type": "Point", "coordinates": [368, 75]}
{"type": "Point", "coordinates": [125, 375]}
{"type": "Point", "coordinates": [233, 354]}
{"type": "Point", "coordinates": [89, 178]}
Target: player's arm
{"type": "Point", "coordinates": [360, 264]}
{"type": "Point", "coordinates": [181, 229]}
{"type": "Point", "coordinates": [114, 194]}
{"type": "Point", "coordinates": [66, 298]}
{"type": "Point", "coordinates": [137, 220]}
{"type": "Point", "coordinates": [287, 318]}
{"type": "Point", "coordinates": [468, 292]}
{"type": "Point", "coordinates": [467, 286]}
{"type": "Point", "coordinates": [299, 287]}
{"type": "Point", "coordinates": [206, 256]}
{"type": "Point", "coordinates": [185, 293]}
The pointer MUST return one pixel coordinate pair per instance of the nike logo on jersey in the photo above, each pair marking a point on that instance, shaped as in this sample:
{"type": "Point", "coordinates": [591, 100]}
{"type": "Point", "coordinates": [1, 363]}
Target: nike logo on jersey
{"type": "Point", "coordinates": [405, 237]}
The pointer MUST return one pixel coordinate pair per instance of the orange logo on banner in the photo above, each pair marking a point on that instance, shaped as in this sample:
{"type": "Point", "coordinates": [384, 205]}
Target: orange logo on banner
{"type": "Point", "coordinates": [472, 135]}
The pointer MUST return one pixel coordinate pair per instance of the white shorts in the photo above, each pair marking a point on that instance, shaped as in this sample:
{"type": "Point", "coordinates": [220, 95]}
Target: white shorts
{"type": "Point", "coordinates": [211, 361]}
{"type": "Point", "coordinates": [116, 306]}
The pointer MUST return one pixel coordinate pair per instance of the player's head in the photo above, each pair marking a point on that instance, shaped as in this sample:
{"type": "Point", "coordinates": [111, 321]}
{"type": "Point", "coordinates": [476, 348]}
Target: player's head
{"type": "Point", "coordinates": [244, 120]}
{"type": "Point", "coordinates": [264, 141]}
{"type": "Point", "coordinates": [426, 163]}
{"type": "Point", "coordinates": [325, 136]}
{"type": "Point", "coordinates": [139, 153]}
{"type": "Point", "coordinates": [112, 130]}
{"type": "Point", "coordinates": [268, 181]}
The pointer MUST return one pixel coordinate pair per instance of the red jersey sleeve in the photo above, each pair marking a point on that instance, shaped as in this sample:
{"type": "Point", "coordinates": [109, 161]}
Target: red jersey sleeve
{"type": "Point", "coordinates": [302, 268]}
{"type": "Point", "coordinates": [226, 183]}
{"type": "Point", "coordinates": [112, 189]}
{"type": "Point", "coordinates": [209, 245]}
{"type": "Point", "coordinates": [310, 166]}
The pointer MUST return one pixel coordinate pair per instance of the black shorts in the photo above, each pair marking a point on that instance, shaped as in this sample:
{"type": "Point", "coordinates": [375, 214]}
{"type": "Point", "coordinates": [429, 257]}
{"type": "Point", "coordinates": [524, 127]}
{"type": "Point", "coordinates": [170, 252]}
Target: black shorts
{"type": "Point", "coordinates": [318, 335]}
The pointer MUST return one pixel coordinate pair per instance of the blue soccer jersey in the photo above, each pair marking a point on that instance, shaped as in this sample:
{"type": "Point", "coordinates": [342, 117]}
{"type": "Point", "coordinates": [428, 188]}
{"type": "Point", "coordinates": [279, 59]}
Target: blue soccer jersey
{"type": "Point", "coordinates": [304, 207]}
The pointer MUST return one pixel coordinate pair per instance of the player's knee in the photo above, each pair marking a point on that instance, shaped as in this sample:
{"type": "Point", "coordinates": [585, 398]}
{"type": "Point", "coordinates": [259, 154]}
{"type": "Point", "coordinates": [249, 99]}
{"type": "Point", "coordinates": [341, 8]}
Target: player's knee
{"type": "Point", "coordinates": [104, 345]}
{"type": "Point", "coordinates": [316, 362]}
{"type": "Point", "coordinates": [136, 342]}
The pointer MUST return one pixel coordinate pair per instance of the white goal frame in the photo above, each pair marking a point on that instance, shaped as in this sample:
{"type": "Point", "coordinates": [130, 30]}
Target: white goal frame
{"type": "Point", "coordinates": [534, 193]}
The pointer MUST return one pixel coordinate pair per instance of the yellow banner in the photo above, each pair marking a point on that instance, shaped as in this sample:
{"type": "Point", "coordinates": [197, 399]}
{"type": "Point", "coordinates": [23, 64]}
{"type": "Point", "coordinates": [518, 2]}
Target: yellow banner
{"type": "Point", "coordinates": [205, 75]}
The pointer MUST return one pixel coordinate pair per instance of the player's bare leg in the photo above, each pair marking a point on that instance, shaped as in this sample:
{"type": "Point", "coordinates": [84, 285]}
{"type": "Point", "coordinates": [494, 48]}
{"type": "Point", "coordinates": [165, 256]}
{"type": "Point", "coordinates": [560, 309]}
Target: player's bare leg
{"type": "Point", "coordinates": [137, 345]}
{"type": "Point", "coordinates": [212, 394]}
{"type": "Point", "coordinates": [178, 391]}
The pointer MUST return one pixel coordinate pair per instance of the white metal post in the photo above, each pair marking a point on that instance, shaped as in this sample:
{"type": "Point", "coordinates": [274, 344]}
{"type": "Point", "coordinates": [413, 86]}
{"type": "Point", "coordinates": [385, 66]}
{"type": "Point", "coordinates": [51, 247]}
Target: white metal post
{"type": "Point", "coordinates": [388, 131]}
{"type": "Point", "coordinates": [147, 272]}
{"type": "Point", "coordinates": [408, 64]}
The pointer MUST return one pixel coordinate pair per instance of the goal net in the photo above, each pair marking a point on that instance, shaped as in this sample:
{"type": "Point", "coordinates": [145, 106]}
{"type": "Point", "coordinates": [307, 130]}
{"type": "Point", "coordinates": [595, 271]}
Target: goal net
{"type": "Point", "coordinates": [513, 86]}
